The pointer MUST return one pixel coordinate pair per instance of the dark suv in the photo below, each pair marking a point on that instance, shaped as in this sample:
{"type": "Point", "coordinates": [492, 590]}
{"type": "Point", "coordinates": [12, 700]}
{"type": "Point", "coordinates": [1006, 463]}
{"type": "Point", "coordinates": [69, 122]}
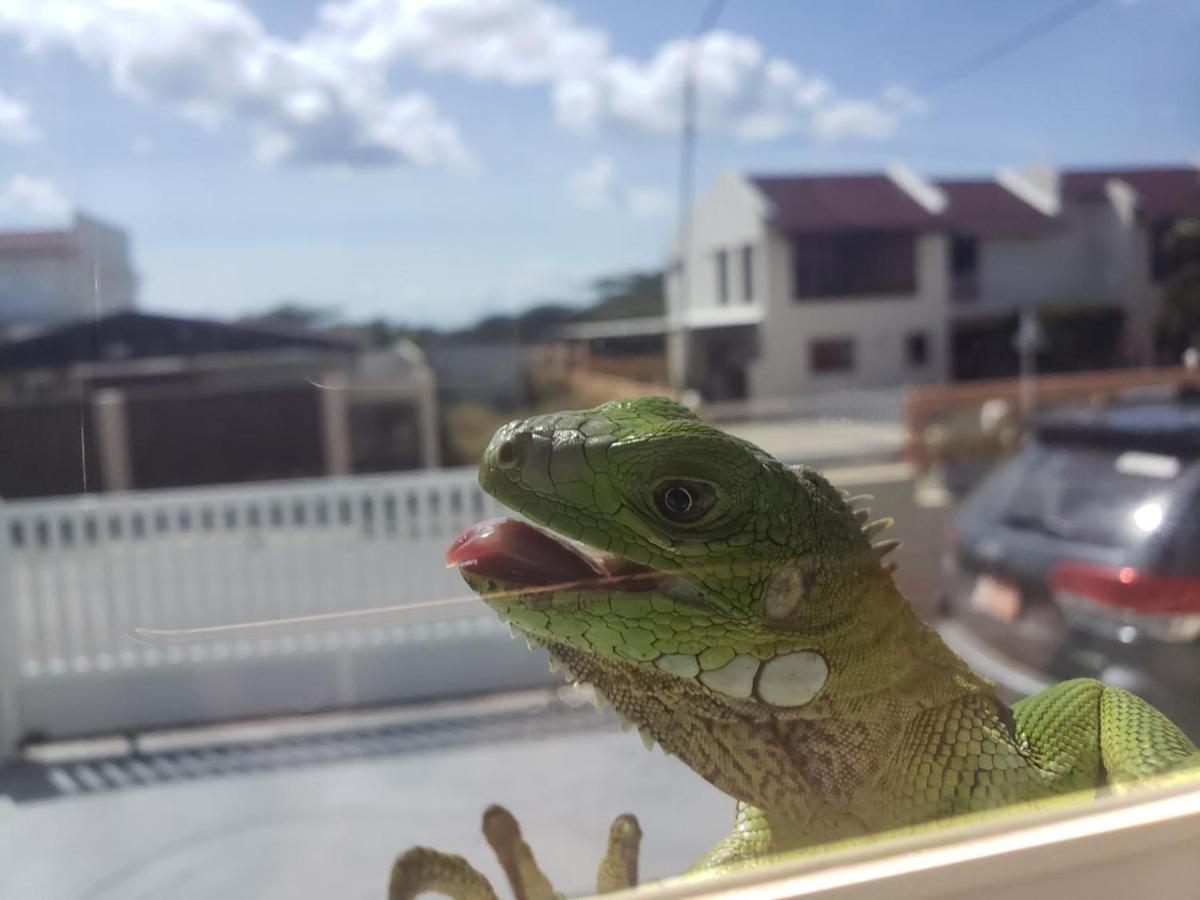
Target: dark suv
{"type": "Point", "coordinates": [1081, 556]}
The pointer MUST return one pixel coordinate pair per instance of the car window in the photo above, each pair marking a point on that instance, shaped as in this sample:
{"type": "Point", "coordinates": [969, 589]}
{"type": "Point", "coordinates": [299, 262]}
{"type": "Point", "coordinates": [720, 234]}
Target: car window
{"type": "Point", "coordinates": [1109, 498]}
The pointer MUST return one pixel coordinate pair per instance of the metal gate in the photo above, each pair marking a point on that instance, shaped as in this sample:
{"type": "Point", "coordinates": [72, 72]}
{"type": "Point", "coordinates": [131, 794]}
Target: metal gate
{"type": "Point", "coordinates": [116, 610]}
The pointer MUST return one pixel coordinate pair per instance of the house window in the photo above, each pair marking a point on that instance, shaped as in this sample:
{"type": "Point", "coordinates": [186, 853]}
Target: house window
{"type": "Point", "coordinates": [1166, 256]}
{"type": "Point", "coordinates": [748, 273]}
{"type": "Point", "coordinates": [964, 267]}
{"type": "Point", "coordinates": [831, 355]}
{"type": "Point", "coordinates": [964, 254]}
{"type": "Point", "coordinates": [866, 263]}
{"type": "Point", "coordinates": [722, 277]}
{"type": "Point", "coordinates": [916, 349]}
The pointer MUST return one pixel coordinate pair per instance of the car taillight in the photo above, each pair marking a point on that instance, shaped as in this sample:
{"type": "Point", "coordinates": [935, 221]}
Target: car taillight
{"type": "Point", "coordinates": [1127, 588]}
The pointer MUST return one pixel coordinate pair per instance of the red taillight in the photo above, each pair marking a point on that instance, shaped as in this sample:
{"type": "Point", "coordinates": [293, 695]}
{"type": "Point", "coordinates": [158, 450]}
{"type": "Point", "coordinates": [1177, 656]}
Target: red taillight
{"type": "Point", "coordinates": [1127, 588]}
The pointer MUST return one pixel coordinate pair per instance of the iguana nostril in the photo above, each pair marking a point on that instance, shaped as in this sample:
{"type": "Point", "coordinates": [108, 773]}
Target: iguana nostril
{"type": "Point", "coordinates": [507, 454]}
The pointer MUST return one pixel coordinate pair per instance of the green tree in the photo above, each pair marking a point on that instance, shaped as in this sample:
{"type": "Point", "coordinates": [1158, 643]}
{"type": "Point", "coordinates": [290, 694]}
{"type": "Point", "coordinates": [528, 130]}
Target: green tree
{"type": "Point", "coordinates": [626, 296]}
{"type": "Point", "coordinates": [1179, 316]}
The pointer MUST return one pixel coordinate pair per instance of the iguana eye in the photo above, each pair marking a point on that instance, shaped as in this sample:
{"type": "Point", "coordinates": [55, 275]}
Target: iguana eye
{"type": "Point", "coordinates": [684, 501]}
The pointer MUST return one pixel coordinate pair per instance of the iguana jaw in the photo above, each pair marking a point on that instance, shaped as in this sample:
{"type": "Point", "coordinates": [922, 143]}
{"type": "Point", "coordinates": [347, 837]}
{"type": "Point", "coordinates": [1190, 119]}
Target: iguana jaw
{"type": "Point", "coordinates": [535, 563]}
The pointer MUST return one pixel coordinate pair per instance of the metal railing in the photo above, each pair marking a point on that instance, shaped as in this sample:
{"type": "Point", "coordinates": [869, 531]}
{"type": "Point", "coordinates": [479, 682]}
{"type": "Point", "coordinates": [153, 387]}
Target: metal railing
{"type": "Point", "coordinates": [126, 611]}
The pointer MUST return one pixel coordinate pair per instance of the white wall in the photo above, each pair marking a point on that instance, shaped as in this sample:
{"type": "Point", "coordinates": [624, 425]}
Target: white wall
{"type": "Point", "coordinates": [1093, 255]}
{"type": "Point", "coordinates": [1099, 253]}
{"type": "Point", "coordinates": [878, 326]}
{"type": "Point", "coordinates": [103, 276]}
{"type": "Point", "coordinates": [728, 216]}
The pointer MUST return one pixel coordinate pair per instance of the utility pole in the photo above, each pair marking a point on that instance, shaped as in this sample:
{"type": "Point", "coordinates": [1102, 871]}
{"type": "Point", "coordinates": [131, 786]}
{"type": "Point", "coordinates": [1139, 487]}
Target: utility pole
{"type": "Point", "coordinates": [1027, 341]}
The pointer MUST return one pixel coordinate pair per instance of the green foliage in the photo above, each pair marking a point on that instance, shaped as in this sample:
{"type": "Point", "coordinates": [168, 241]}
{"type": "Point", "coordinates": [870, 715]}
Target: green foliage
{"type": "Point", "coordinates": [1181, 245]}
{"type": "Point", "coordinates": [626, 295]}
{"type": "Point", "coordinates": [291, 313]}
{"type": "Point", "coordinates": [1179, 317]}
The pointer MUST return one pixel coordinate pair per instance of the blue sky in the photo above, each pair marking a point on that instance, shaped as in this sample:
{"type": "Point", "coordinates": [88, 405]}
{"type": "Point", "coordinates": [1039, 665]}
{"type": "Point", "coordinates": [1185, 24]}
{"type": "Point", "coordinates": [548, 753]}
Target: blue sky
{"type": "Point", "coordinates": [434, 161]}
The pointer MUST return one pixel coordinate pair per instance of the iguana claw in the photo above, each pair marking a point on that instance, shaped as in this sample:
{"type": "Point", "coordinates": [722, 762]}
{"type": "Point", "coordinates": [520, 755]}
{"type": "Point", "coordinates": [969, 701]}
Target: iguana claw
{"type": "Point", "coordinates": [422, 870]}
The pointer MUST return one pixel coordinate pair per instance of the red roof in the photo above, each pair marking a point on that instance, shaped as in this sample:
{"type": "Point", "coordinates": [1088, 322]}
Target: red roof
{"type": "Point", "coordinates": [843, 203]}
{"type": "Point", "coordinates": [1162, 193]}
{"type": "Point", "coordinates": [987, 209]}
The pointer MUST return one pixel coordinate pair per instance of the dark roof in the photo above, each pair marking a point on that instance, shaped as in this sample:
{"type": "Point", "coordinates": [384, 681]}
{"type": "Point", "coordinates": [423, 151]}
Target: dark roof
{"type": "Point", "coordinates": [870, 202]}
{"type": "Point", "coordinates": [842, 202]}
{"type": "Point", "coordinates": [1162, 193]}
{"type": "Point", "coordinates": [987, 209]}
{"type": "Point", "coordinates": [135, 335]}
{"type": "Point", "coordinates": [983, 207]}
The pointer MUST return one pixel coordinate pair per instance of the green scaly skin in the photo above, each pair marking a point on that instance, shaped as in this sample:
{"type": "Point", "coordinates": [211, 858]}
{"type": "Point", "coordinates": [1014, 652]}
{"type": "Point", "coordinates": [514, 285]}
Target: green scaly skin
{"type": "Point", "coordinates": [780, 579]}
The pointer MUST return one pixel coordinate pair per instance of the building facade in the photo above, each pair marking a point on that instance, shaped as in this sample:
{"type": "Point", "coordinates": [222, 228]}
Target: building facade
{"type": "Point", "coordinates": [786, 285]}
{"type": "Point", "coordinates": [134, 401]}
{"type": "Point", "coordinates": [50, 277]}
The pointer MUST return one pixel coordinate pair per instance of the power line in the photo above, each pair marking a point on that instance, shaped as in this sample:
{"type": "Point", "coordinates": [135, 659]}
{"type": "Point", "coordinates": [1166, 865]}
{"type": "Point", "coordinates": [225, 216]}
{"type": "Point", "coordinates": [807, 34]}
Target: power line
{"type": "Point", "coordinates": [687, 137]}
{"type": "Point", "coordinates": [1006, 45]}
{"type": "Point", "coordinates": [687, 149]}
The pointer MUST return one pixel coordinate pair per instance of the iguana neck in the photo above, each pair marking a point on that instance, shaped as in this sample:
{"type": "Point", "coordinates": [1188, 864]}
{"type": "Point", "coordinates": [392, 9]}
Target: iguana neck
{"type": "Point", "coordinates": [884, 672]}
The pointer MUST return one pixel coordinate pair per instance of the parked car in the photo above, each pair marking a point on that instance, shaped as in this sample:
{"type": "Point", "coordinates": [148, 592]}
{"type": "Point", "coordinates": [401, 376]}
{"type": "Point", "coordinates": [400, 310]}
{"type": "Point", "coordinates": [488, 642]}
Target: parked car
{"type": "Point", "coordinates": [1081, 556]}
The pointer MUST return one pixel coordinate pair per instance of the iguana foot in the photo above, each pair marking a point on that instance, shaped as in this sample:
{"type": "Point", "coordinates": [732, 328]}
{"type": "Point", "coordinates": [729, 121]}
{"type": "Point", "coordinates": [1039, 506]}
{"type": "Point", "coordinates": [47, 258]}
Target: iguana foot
{"type": "Point", "coordinates": [421, 869]}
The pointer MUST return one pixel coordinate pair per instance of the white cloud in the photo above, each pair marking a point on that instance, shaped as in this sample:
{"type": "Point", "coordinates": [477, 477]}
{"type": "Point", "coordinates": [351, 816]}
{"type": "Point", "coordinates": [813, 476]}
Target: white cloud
{"type": "Point", "coordinates": [741, 90]}
{"type": "Point", "coordinates": [30, 197]}
{"type": "Point", "coordinates": [511, 41]}
{"type": "Point", "coordinates": [904, 100]}
{"type": "Point", "coordinates": [327, 97]}
{"type": "Point", "coordinates": [853, 118]}
{"type": "Point", "coordinates": [649, 202]}
{"type": "Point", "coordinates": [16, 121]}
{"type": "Point", "coordinates": [212, 61]}
{"type": "Point", "coordinates": [596, 186]}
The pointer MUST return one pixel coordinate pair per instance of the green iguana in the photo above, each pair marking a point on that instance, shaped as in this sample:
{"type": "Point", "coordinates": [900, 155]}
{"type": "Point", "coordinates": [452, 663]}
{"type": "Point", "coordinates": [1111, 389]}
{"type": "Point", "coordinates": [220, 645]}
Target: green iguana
{"type": "Point", "coordinates": [742, 615]}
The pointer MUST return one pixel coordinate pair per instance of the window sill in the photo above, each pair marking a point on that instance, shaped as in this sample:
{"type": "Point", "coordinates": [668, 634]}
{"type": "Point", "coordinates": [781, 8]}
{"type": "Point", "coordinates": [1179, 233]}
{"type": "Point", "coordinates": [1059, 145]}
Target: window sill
{"type": "Point", "coordinates": [1138, 844]}
{"type": "Point", "coordinates": [856, 298]}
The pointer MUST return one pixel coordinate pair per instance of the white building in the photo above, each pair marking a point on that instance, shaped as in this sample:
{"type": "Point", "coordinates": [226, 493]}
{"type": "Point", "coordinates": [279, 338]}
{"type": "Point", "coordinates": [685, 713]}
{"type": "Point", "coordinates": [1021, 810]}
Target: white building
{"type": "Point", "coordinates": [51, 277]}
{"type": "Point", "coordinates": [800, 284]}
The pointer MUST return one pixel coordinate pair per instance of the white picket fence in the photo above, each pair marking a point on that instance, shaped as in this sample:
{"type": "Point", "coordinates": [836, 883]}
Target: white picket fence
{"type": "Point", "coordinates": [116, 609]}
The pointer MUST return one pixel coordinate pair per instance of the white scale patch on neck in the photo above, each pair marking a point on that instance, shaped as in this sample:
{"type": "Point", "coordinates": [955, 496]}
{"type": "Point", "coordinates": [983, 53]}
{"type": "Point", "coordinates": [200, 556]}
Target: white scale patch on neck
{"type": "Point", "coordinates": [793, 679]}
{"type": "Point", "coordinates": [734, 679]}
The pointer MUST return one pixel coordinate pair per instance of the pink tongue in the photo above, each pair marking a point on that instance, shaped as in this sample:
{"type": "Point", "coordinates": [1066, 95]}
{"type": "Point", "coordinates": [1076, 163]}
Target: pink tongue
{"type": "Point", "coordinates": [517, 553]}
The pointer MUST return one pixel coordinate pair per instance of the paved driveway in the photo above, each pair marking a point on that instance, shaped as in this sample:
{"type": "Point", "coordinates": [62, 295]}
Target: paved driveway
{"type": "Point", "coordinates": [331, 829]}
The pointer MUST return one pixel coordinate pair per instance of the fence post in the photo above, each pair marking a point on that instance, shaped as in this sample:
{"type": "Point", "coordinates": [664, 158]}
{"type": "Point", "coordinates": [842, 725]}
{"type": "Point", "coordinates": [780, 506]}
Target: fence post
{"type": "Point", "coordinates": [10, 668]}
{"type": "Point", "coordinates": [112, 437]}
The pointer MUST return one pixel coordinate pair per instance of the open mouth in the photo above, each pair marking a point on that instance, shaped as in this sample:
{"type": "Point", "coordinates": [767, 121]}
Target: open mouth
{"type": "Point", "coordinates": [520, 555]}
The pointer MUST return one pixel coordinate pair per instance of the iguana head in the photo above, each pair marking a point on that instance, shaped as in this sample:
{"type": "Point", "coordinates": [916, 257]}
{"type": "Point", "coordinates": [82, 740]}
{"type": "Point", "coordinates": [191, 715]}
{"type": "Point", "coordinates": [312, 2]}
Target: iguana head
{"type": "Point", "coordinates": [689, 554]}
